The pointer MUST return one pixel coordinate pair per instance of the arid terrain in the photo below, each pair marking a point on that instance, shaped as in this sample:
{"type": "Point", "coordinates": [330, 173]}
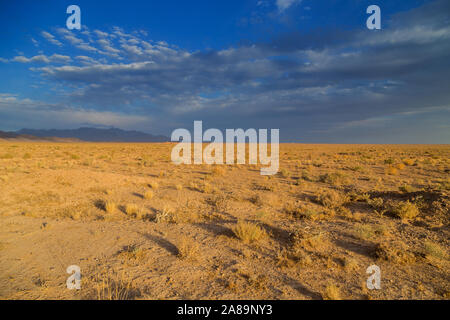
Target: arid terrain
{"type": "Point", "coordinates": [141, 227]}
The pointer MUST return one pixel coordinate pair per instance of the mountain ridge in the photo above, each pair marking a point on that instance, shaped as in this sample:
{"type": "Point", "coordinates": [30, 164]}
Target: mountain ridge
{"type": "Point", "coordinates": [90, 134]}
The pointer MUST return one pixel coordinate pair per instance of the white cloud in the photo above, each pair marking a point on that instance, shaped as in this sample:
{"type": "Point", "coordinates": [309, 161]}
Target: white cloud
{"type": "Point", "coordinates": [38, 113]}
{"type": "Point", "coordinates": [51, 38]}
{"type": "Point", "coordinates": [35, 42]}
{"type": "Point", "coordinates": [101, 34]}
{"type": "Point", "coordinates": [43, 59]}
{"type": "Point", "coordinates": [285, 4]}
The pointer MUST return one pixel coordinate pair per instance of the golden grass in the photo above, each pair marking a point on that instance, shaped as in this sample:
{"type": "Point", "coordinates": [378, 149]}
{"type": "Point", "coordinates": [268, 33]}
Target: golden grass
{"type": "Point", "coordinates": [249, 232]}
{"type": "Point", "coordinates": [332, 292]}
{"type": "Point", "coordinates": [330, 212]}
{"type": "Point", "coordinates": [331, 198]}
{"type": "Point", "coordinates": [110, 206]}
{"type": "Point", "coordinates": [154, 185]}
{"type": "Point", "coordinates": [148, 195]}
{"type": "Point", "coordinates": [406, 210]}
{"type": "Point", "coordinates": [434, 250]}
{"type": "Point", "coordinates": [188, 249]}
{"type": "Point", "coordinates": [115, 288]}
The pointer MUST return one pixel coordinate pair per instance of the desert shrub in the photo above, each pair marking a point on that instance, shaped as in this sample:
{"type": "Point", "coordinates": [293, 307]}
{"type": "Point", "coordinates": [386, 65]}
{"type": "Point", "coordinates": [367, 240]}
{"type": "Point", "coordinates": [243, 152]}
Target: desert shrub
{"type": "Point", "coordinates": [162, 174]}
{"type": "Point", "coordinates": [312, 242]}
{"type": "Point", "coordinates": [179, 187]}
{"type": "Point", "coordinates": [266, 186]}
{"type": "Point", "coordinates": [203, 187]}
{"type": "Point", "coordinates": [350, 264]}
{"type": "Point", "coordinates": [284, 173]}
{"type": "Point", "coordinates": [166, 215]}
{"type": "Point", "coordinates": [219, 202]}
{"type": "Point", "coordinates": [406, 188]}
{"type": "Point", "coordinates": [391, 171]}
{"type": "Point", "coordinates": [249, 232]}
{"type": "Point", "coordinates": [116, 287]}
{"type": "Point", "coordinates": [389, 161]}
{"type": "Point", "coordinates": [134, 210]}
{"type": "Point", "coordinates": [358, 197]}
{"type": "Point", "coordinates": [27, 156]}
{"type": "Point", "coordinates": [133, 252]}
{"type": "Point", "coordinates": [409, 162]}
{"type": "Point", "coordinates": [368, 232]}
{"type": "Point", "coordinates": [406, 210]}
{"type": "Point", "coordinates": [400, 166]}
{"type": "Point", "coordinates": [188, 249]}
{"type": "Point", "coordinates": [110, 206]}
{"type": "Point", "coordinates": [307, 176]}
{"type": "Point", "coordinates": [376, 203]}
{"type": "Point", "coordinates": [335, 178]}
{"type": "Point", "coordinates": [218, 171]}
{"type": "Point", "coordinates": [256, 200]}
{"type": "Point", "coordinates": [332, 292]}
{"type": "Point", "coordinates": [148, 195]}
{"type": "Point", "coordinates": [331, 198]}
{"type": "Point", "coordinates": [131, 209]}
{"type": "Point", "coordinates": [303, 212]}
{"type": "Point", "coordinates": [154, 185]}
{"type": "Point", "coordinates": [434, 250]}
{"type": "Point", "coordinates": [394, 251]}
{"type": "Point", "coordinates": [6, 156]}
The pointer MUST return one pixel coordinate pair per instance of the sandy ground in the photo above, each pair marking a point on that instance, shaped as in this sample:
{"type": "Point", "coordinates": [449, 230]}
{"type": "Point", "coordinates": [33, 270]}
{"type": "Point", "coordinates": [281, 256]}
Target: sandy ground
{"type": "Point", "coordinates": [140, 227]}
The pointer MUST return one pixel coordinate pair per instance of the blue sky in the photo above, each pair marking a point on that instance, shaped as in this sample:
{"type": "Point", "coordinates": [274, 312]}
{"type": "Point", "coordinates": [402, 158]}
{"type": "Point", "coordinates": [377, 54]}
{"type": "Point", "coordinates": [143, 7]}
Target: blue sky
{"type": "Point", "coordinates": [308, 67]}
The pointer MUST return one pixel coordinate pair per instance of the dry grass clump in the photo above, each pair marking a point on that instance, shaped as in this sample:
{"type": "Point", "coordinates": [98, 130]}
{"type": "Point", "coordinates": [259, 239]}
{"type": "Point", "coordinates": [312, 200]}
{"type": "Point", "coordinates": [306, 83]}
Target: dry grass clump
{"type": "Point", "coordinates": [6, 156]}
{"type": "Point", "coordinates": [188, 249]}
{"type": "Point", "coordinates": [406, 188]}
{"type": "Point", "coordinates": [166, 215]}
{"type": "Point", "coordinates": [218, 171]}
{"type": "Point", "coordinates": [368, 232]}
{"type": "Point", "coordinates": [203, 187]}
{"type": "Point", "coordinates": [393, 251]}
{"type": "Point", "coordinates": [334, 178]}
{"type": "Point", "coordinates": [406, 210]}
{"type": "Point", "coordinates": [131, 209]}
{"type": "Point", "coordinates": [148, 195]}
{"type": "Point", "coordinates": [315, 243]}
{"type": "Point", "coordinates": [249, 232]}
{"type": "Point", "coordinates": [350, 264]}
{"type": "Point", "coordinates": [256, 200]}
{"type": "Point", "coordinates": [179, 187]}
{"type": "Point", "coordinates": [115, 288]}
{"type": "Point", "coordinates": [133, 252]}
{"type": "Point", "coordinates": [302, 212]}
{"type": "Point", "coordinates": [409, 162]}
{"type": "Point", "coordinates": [284, 173]}
{"type": "Point", "coordinates": [331, 198]}
{"type": "Point", "coordinates": [332, 292]}
{"type": "Point", "coordinates": [219, 202]}
{"type": "Point", "coordinates": [154, 185]}
{"type": "Point", "coordinates": [266, 186]}
{"type": "Point", "coordinates": [378, 205]}
{"type": "Point", "coordinates": [391, 171]}
{"type": "Point", "coordinates": [134, 210]}
{"type": "Point", "coordinates": [433, 250]}
{"type": "Point", "coordinates": [400, 166]}
{"type": "Point", "coordinates": [110, 206]}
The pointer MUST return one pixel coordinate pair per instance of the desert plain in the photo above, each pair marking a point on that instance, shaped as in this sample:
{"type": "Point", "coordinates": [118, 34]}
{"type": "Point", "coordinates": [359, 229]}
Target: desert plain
{"type": "Point", "coordinates": [141, 227]}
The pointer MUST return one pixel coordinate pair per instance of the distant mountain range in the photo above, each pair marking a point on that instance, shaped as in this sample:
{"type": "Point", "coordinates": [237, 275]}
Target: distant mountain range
{"type": "Point", "coordinates": [83, 134]}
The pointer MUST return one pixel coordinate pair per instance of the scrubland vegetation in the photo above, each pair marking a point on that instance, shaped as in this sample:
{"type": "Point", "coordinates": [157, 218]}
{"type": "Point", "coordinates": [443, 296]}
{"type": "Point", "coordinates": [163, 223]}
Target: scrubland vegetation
{"type": "Point", "coordinates": [141, 227]}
